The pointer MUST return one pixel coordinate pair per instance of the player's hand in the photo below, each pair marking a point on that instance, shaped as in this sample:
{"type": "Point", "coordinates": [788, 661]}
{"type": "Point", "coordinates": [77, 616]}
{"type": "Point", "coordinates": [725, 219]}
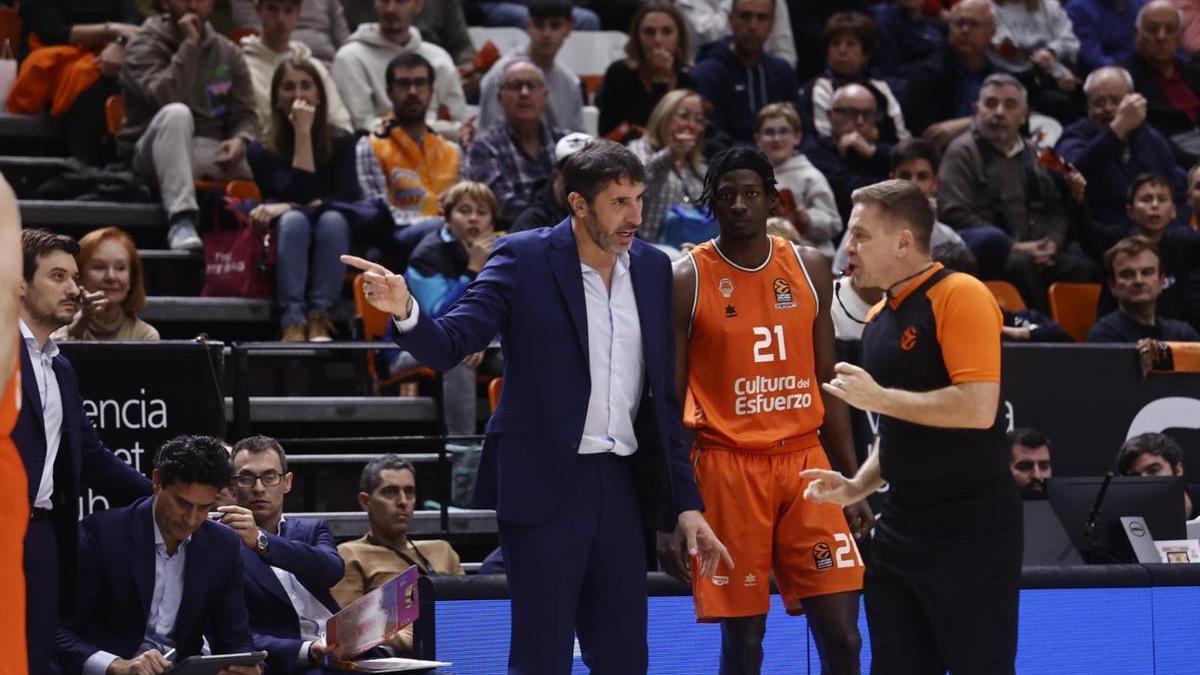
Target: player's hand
{"type": "Point", "coordinates": [384, 290]}
{"type": "Point", "coordinates": [240, 520]}
{"type": "Point", "coordinates": [855, 386]}
{"type": "Point", "coordinates": [702, 543]}
{"type": "Point", "coordinates": [672, 556]}
{"type": "Point", "coordinates": [860, 518]}
{"type": "Point", "coordinates": [831, 487]}
{"type": "Point", "coordinates": [150, 662]}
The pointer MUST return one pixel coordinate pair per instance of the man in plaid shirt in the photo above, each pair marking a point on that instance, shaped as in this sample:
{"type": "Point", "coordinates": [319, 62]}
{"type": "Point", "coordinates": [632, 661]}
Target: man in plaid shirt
{"type": "Point", "coordinates": [517, 157]}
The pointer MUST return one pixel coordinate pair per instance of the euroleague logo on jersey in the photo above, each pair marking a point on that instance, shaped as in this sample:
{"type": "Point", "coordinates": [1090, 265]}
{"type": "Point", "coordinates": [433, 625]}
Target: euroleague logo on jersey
{"type": "Point", "coordinates": [822, 556]}
{"type": "Point", "coordinates": [783, 294]}
{"type": "Point", "coordinates": [909, 339]}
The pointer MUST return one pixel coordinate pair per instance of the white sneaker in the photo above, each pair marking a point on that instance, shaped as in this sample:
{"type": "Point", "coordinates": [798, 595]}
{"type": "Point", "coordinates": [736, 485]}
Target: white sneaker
{"type": "Point", "coordinates": [182, 237]}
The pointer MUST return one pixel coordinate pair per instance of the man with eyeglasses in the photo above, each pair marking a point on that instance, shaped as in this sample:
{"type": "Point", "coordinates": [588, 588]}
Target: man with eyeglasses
{"type": "Point", "coordinates": [550, 25]}
{"type": "Point", "coordinates": [360, 77]}
{"type": "Point", "coordinates": [402, 162]}
{"type": "Point", "coordinates": [853, 156]}
{"type": "Point", "coordinates": [291, 564]}
{"type": "Point", "coordinates": [1004, 203]}
{"type": "Point", "coordinates": [517, 157]}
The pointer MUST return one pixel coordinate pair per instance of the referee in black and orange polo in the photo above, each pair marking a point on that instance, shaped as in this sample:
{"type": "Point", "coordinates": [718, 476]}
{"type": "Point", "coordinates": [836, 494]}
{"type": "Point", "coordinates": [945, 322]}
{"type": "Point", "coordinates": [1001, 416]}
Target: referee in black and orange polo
{"type": "Point", "coordinates": [943, 577]}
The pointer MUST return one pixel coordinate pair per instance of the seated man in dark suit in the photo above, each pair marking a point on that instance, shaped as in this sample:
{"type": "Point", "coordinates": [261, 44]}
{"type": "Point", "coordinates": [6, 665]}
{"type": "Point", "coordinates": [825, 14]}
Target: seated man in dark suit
{"type": "Point", "coordinates": [157, 575]}
{"type": "Point", "coordinates": [1170, 84]}
{"type": "Point", "coordinates": [290, 565]}
{"type": "Point", "coordinates": [58, 445]}
{"type": "Point", "coordinates": [1135, 279]}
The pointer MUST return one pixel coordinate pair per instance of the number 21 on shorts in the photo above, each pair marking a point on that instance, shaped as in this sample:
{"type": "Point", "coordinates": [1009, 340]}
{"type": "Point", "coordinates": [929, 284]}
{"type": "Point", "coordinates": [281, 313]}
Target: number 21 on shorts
{"type": "Point", "coordinates": [846, 554]}
{"type": "Point", "coordinates": [770, 346]}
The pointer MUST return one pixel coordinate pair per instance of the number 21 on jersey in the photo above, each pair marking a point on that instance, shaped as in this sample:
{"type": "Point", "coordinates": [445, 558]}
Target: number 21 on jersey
{"type": "Point", "coordinates": [770, 345]}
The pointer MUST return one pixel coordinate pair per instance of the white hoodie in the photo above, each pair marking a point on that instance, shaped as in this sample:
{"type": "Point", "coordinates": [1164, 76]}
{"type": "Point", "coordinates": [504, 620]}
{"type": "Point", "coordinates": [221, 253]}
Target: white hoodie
{"type": "Point", "coordinates": [263, 61]}
{"type": "Point", "coordinates": [359, 70]}
{"type": "Point", "coordinates": [813, 194]}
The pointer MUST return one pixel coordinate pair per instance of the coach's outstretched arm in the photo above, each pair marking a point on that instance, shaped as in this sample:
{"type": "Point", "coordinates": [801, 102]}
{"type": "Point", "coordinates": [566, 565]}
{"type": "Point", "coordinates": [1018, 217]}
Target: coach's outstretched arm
{"type": "Point", "coordinates": [477, 317]}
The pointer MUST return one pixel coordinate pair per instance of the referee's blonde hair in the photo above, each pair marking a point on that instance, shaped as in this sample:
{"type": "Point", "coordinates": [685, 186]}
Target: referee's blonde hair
{"type": "Point", "coordinates": [901, 199]}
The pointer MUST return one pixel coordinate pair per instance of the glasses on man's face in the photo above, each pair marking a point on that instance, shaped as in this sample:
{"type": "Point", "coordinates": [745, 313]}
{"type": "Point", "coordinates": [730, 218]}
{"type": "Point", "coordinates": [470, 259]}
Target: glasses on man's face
{"type": "Point", "coordinates": [520, 85]}
{"type": "Point", "coordinates": [406, 83]}
{"type": "Point", "coordinates": [247, 480]}
{"type": "Point", "coordinates": [964, 23]}
{"type": "Point", "coordinates": [854, 113]}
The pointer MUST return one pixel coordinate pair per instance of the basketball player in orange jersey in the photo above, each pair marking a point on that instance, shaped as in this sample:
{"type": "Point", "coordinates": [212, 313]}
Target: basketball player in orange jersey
{"type": "Point", "coordinates": [14, 488]}
{"type": "Point", "coordinates": [754, 339]}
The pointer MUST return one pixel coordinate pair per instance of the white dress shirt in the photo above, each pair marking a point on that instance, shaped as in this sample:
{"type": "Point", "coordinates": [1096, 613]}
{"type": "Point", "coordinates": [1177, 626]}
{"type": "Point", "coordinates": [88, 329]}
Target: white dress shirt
{"type": "Point", "coordinates": [164, 604]}
{"type": "Point", "coordinates": [42, 357]}
{"type": "Point", "coordinates": [312, 613]}
{"type": "Point", "coordinates": [615, 359]}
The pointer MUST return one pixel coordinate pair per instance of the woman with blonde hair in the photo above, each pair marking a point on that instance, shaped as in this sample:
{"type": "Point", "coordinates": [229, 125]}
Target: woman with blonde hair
{"type": "Point", "coordinates": [670, 151]}
{"type": "Point", "coordinates": [111, 289]}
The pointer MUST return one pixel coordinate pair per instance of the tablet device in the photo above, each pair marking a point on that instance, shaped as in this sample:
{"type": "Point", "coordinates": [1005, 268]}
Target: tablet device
{"type": "Point", "coordinates": [211, 665]}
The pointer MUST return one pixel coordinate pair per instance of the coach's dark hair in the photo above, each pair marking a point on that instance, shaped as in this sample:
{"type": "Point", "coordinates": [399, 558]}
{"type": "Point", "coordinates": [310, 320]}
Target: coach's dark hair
{"type": "Point", "coordinates": [904, 200]}
{"type": "Point", "coordinates": [37, 243]}
{"type": "Point", "coordinates": [1159, 445]}
{"type": "Point", "coordinates": [855, 24]}
{"type": "Point", "coordinates": [408, 61]}
{"type": "Point", "coordinates": [1144, 179]}
{"type": "Point", "coordinates": [597, 164]}
{"type": "Point", "coordinates": [913, 149]}
{"type": "Point", "coordinates": [1027, 438]}
{"type": "Point", "coordinates": [369, 480]}
{"type": "Point", "coordinates": [258, 444]}
{"type": "Point", "coordinates": [550, 9]}
{"type": "Point", "coordinates": [733, 159]}
{"type": "Point", "coordinates": [193, 459]}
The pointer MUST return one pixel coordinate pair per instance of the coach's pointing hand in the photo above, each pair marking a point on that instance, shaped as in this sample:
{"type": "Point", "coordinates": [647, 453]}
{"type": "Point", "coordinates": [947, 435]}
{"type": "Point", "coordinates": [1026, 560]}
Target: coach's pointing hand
{"type": "Point", "coordinates": [702, 543]}
{"type": "Point", "coordinates": [384, 291]}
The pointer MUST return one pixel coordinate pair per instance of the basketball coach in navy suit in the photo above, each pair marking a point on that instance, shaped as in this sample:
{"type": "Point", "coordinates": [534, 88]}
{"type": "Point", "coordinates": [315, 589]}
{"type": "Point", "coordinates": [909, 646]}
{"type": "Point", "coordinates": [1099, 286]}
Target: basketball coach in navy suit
{"type": "Point", "coordinates": [585, 446]}
{"type": "Point", "coordinates": [159, 574]}
{"type": "Point", "coordinates": [58, 445]}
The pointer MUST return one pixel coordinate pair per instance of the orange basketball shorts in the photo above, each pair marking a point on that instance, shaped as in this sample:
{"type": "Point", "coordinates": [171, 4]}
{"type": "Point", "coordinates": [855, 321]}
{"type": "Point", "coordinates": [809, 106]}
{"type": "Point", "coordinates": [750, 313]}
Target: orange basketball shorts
{"type": "Point", "coordinates": [755, 504]}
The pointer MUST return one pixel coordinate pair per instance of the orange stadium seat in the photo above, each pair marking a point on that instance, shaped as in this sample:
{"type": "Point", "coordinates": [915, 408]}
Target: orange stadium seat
{"type": "Point", "coordinates": [374, 327]}
{"type": "Point", "coordinates": [494, 392]}
{"type": "Point", "coordinates": [10, 28]}
{"type": "Point", "coordinates": [243, 189]}
{"type": "Point", "coordinates": [1007, 295]}
{"type": "Point", "coordinates": [114, 113]}
{"type": "Point", "coordinates": [1073, 306]}
{"type": "Point", "coordinates": [242, 33]}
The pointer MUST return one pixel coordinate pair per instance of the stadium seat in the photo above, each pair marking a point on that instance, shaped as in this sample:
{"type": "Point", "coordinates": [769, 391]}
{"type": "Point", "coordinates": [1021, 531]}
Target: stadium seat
{"type": "Point", "coordinates": [1007, 295]}
{"type": "Point", "coordinates": [588, 54]}
{"type": "Point", "coordinates": [114, 113]}
{"type": "Point", "coordinates": [374, 328]}
{"type": "Point", "coordinates": [242, 33]}
{"type": "Point", "coordinates": [494, 392]}
{"type": "Point", "coordinates": [243, 189]}
{"type": "Point", "coordinates": [507, 40]}
{"type": "Point", "coordinates": [1073, 306]}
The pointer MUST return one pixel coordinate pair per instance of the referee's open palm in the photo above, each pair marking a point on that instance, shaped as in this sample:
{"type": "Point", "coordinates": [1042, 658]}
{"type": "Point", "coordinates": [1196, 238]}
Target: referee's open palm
{"type": "Point", "coordinates": [385, 291]}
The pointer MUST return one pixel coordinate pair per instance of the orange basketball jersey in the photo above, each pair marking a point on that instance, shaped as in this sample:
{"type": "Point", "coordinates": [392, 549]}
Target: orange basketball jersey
{"type": "Point", "coordinates": [751, 378]}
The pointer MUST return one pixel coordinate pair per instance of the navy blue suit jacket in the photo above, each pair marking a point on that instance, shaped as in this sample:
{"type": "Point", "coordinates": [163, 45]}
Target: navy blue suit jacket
{"type": "Point", "coordinates": [306, 549]}
{"type": "Point", "coordinates": [116, 573]}
{"type": "Point", "coordinates": [82, 460]}
{"type": "Point", "coordinates": [531, 293]}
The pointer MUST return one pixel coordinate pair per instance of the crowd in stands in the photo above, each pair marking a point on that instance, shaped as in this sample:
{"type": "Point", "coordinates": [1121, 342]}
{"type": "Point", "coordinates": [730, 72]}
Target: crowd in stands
{"type": "Point", "coordinates": [1045, 112]}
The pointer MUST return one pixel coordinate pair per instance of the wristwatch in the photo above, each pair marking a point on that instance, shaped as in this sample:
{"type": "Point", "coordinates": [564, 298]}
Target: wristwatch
{"type": "Point", "coordinates": [260, 547]}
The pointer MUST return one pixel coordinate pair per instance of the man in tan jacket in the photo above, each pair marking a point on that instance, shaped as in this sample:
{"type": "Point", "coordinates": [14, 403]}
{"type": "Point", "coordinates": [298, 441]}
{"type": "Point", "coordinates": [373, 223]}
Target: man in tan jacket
{"type": "Point", "coordinates": [388, 493]}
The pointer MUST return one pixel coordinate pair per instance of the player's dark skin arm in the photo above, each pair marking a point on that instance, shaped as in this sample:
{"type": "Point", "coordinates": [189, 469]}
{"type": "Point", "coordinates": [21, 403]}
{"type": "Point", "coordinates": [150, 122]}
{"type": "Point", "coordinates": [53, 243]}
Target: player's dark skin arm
{"type": "Point", "coordinates": [836, 432]}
